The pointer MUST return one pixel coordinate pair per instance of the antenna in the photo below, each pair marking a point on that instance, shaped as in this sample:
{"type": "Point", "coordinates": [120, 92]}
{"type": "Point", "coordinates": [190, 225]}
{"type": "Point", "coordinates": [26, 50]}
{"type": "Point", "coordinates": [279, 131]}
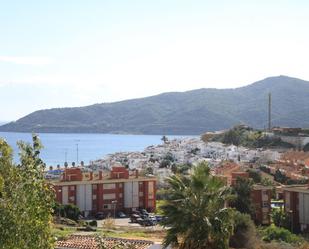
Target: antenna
{"type": "Point", "coordinates": [269, 111]}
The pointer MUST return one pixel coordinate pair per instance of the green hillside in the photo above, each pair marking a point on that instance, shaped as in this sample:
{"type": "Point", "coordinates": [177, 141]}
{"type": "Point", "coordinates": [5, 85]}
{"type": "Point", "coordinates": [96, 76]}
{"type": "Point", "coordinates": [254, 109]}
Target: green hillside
{"type": "Point", "coordinates": [191, 112]}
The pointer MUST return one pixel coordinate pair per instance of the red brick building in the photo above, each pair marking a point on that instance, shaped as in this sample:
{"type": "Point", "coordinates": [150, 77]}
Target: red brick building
{"type": "Point", "coordinates": [106, 192]}
{"type": "Point", "coordinates": [261, 199]}
{"type": "Point", "coordinates": [260, 195]}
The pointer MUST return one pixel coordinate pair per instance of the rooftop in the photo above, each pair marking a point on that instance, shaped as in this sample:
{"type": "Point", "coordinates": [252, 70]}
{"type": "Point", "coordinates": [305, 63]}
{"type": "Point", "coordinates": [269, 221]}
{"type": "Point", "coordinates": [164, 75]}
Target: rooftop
{"type": "Point", "coordinates": [92, 242]}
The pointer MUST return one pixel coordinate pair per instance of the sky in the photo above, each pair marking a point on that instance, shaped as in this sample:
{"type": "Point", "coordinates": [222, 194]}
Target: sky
{"type": "Point", "coordinates": [56, 53]}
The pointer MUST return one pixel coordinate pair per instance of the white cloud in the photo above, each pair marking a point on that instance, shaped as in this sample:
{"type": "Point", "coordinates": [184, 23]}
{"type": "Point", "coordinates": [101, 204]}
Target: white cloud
{"type": "Point", "coordinates": [27, 60]}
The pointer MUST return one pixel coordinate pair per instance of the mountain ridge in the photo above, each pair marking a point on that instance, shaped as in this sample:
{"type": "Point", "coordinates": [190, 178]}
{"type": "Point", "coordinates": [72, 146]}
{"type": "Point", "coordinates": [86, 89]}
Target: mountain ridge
{"type": "Point", "coordinates": [184, 113]}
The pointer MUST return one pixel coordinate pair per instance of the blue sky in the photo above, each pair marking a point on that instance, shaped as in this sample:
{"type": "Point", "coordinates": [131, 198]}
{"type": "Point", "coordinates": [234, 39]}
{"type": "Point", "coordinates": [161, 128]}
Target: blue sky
{"type": "Point", "coordinates": [72, 53]}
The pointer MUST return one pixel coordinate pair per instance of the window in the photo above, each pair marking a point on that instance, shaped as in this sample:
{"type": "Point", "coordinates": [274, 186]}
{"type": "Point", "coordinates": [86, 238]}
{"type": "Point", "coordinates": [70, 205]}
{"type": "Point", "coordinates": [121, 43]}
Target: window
{"type": "Point", "coordinates": [94, 197]}
{"type": "Point", "coordinates": [94, 186]}
{"type": "Point", "coordinates": [109, 196]}
{"type": "Point", "coordinates": [105, 206]}
{"type": "Point", "coordinates": [120, 185]}
{"type": "Point", "coordinates": [120, 195]}
{"type": "Point", "coordinates": [72, 188]}
{"type": "Point", "coordinates": [109, 186]}
{"type": "Point", "coordinates": [265, 204]}
{"type": "Point", "coordinates": [141, 194]}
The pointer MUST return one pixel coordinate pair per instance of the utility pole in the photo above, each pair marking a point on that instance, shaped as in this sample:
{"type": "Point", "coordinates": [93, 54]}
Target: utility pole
{"type": "Point", "coordinates": [65, 155]}
{"type": "Point", "coordinates": [77, 141]}
{"type": "Point", "coordinates": [269, 112]}
{"type": "Point", "coordinates": [77, 154]}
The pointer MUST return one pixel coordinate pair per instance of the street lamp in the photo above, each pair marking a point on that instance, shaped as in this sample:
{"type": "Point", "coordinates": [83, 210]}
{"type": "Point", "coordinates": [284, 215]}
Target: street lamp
{"type": "Point", "coordinates": [114, 205]}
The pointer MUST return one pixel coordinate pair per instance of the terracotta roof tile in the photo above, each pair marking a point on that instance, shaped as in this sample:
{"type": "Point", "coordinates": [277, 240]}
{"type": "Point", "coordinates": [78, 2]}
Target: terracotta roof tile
{"type": "Point", "coordinates": [91, 242]}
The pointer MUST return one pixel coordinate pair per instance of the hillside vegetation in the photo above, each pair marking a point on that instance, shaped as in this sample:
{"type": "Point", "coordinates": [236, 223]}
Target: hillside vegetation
{"type": "Point", "coordinates": [246, 136]}
{"type": "Point", "coordinates": [191, 112]}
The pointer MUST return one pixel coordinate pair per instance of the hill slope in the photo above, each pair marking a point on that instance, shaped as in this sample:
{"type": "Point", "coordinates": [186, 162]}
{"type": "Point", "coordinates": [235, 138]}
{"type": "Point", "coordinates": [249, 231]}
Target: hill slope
{"type": "Point", "coordinates": [192, 112]}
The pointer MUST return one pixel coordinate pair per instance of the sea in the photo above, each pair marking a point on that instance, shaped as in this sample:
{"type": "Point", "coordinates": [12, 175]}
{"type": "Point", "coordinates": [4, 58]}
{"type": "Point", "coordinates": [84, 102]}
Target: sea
{"type": "Point", "coordinates": [77, 147]}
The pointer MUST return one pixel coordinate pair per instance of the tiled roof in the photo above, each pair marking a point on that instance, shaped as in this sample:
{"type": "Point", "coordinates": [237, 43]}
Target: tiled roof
{"type": "Point", "coordinates": [92, 242]}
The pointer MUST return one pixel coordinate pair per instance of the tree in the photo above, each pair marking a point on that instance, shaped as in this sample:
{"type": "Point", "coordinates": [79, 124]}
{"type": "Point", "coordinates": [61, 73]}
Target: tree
{"type": "Point", "coordinates": [254, 175]}
{"type": "Point", "coordinates": [244, 232]}
{"type": "Point", "coordinates": [242, 191]}
{"type": "Point", "coordinates": [164, 139]}
{"type": "Point", "coordinates": [280, 218]}
{"type": "Point", "coordinates": [26, 199]}
{"type": "Point", "coordinates": [280, 176]}
{"type": "Point", "coordinates": [195, 207]}
{"type": "Point", "coordinates": [69, 211]}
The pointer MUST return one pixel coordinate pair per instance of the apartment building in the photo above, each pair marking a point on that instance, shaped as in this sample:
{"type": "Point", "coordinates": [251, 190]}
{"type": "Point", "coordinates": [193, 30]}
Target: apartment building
{"type": "Point", "coordinates": [261, 199]}
{"type": "Point", "coordinates": [296, 205]}
{"type": "Point", "coordinates": [260, 195]}
{"type": "Point", "coordinates": [105, 191]}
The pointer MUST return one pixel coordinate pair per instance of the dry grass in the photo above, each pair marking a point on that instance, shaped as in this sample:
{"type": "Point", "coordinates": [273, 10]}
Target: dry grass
{"type": "Point", "coordinates": [108, 223]}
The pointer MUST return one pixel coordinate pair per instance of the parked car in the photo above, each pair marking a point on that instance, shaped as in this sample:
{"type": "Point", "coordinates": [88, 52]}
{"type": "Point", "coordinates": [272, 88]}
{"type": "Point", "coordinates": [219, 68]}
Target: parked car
{"type": "Point", "coordinates": [121, 215]}
{"type": "Point", "coordinates": [144, 212]}
{"type": "Point", "coordinates": [153, 219]}
{"type": "Point", "coordinates": [134, 218]}
{"type": "Point", "coordinates": [146, 222]}
{"type": "Point", "coordinates": [99, 216]}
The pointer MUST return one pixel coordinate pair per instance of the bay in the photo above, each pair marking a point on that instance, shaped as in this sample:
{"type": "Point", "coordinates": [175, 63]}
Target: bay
{"type": "Point", "coordinates": [73, 147]}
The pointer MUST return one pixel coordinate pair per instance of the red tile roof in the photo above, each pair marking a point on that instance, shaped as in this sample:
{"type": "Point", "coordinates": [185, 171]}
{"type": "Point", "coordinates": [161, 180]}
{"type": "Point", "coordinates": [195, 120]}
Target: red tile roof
{"type": "Point", "coordinates": [92, 242]}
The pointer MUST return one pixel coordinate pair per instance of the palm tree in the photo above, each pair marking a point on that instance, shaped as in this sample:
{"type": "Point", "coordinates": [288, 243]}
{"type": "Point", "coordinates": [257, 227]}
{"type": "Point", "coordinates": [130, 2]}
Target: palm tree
{"type": "Point", "coordinates": [196, 212]}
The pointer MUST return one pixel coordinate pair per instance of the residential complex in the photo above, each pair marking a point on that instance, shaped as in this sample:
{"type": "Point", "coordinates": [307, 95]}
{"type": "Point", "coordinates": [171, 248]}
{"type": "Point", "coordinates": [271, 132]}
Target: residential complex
{"type": "Point", "coordinates": [260, 195]}
{"type": "Point", "coordinates": [105, 191]}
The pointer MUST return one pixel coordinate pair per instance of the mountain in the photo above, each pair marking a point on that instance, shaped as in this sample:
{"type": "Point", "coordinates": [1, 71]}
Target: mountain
{"type": "Point", "coordinates": [191, 112]}
{"type": "Point", "coordinates": [3, 122]}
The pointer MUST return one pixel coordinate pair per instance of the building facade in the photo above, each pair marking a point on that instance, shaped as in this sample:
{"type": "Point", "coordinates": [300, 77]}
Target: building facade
{"type": "Point", "coordinates": [261, 199]}
{"type": "Point", "coordinates": [105, 192]}
{"type": "Point", "coordinates": [296, 205]}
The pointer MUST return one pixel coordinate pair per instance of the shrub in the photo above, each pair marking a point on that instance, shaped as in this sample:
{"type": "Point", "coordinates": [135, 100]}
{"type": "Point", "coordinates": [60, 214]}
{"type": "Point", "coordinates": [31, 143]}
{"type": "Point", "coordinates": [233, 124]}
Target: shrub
{"type": "Point", "coordinates": [109, 223]}
{"type": "Point", "coordinates": [68, 211]}
{"type": "Point", "coordinates": [93, 223]}
{"type": "Point", "coordinates": [273, 233]}
{"type": "Point", "coordinates": [244, 232]}
{"type": "Point", "coordinates": [280, 218]}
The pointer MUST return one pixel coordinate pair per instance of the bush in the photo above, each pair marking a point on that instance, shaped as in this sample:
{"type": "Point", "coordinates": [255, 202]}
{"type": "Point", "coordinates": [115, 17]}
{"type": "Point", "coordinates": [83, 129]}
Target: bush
{"type": "Point", "coordinates": [93, 223]}
{"type": "Point", "coordinates": [273, 233]}
{"type": "Point", "coordinates": [69, 211]}
{"type": "Point", "coordinates": [244, 232]}
{"type": "Point", "coordinates": [280, 218]}
{"type": "Point", "coordinates": [109, 223]}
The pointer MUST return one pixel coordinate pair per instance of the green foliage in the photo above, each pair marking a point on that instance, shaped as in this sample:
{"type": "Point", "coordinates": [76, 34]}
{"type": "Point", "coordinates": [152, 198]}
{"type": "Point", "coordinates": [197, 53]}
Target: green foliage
{"type": "Point", "coordinates": [164, 139]}
{"type": "Point", "coordinates": [69, 211]}
{"type": "Point", "coordinates": [280, 218]}
{"type": "Point", "coordinates": [162, 194]}
{"type": "Point", "coordinates": [254, 175]}
{"type": "Point", "coordinates": [93, 223]}
{"type": "Point", "coordinates": [245, 136]}
{"type": "Point", "coordinates": [279, 176]}
{"type": "Point", "coordinates": [197, 217]}
{"type": "Point", "coordinates": [267, 182]}
{"type": "Point", "coordinates": [181, 168]}
{"type": "Point", "coordinates": [244, 232]}
{"type": "Point", "coordinates": [26, 199]}
{"type": "Point", "coordinates": [149, 171]}
{"type": "Point", "coordinates": [242, 191]}
{"type": "Point", "coordinates": [273, 233]}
